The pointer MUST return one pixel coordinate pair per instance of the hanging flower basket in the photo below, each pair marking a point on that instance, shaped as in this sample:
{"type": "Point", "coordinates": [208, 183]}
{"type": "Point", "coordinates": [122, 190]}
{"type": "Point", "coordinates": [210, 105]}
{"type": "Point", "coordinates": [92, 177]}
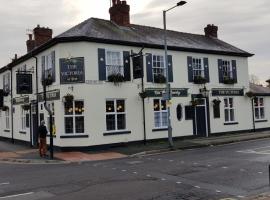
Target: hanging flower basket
{"type": "Point", "coordinates": [228, 80]}
{"type": "Point", "coordinates": [5, 108]}
{"type": "Point", "coordinates": [48, 80]}
{"type": "Point", "coordinates": [199, 80]}
{"type": "Point", "coordinates": [194, 103]}
{"type": "Point", "coordinates": [26, 107]}
{"type": "Point", "coordinates": [116, 78]}
{"type": "Point", "coordinates": [143, 95]}
{"type": "Point", "coordinates": [250, 94]}
{"type": "Point", "coordinates": [159, 78]}
{"type": "Point", "coordinates": [69, 98]}
{"type": "Point", "coordinates": [216, 102]}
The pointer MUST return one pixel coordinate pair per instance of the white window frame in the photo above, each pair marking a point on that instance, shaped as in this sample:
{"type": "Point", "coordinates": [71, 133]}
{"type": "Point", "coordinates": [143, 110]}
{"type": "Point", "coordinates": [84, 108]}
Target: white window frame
{"type": "Point", "coordinates": [6, 82]}
{"type": "Point", "coordinates": [51, 107]}
{"type": "Point", "coordinates": [160, 113]}
{"type": "Point", "coordinates": [259, 107]}
{"type": "Point", "coordinates": [157, 58]}
{"type": "Point", "coordinates": [227, 71]}
{"type": "Point", "coordinates": [23, 119]}
{"type": "Point", "coordinates": [7, 119]}
{"type": "Point", "coordinates": [197, 68]}
{"type": "Point", "coordinates": [115, 113]}
{"type": "Point", "coordinates": [73, 116]}
{"type": "Point", "coordinates": [230, 108]}
{"type": "Point", "coordinates": [114, 65]}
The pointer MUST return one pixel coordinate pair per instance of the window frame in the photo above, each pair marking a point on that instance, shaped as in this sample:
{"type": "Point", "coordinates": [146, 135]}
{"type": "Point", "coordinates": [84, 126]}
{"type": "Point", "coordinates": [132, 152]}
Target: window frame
{"type": "Point", "coordinates": [259, 107]}
{"type": "Point", "coordinates": [160, 114]}
{"type": "Point", "coordinates": [115, 113]}
{"type": "Point", "coordinates": [119, 67]}
{"type": "Point", "coordinates": [156, 67]}
{"type": "Point", "coordinates": [73, 116]}
{"type": "Point", "coordinates": [201, 70]}
{"type": "Point", "coordinates": [227, 64]}
{"type": "Point", "coordinates": [7, 120]}
{"type": "Point", "coordinates": [23, 119]}
{"type": "Point", "coordinates": [231, 110]}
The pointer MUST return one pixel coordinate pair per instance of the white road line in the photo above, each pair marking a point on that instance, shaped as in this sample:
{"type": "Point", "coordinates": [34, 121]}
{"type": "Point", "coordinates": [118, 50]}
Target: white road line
{"type": "Point", "coordinates": [241, 196]}
{"type": "Point", "coordinates": [4, 183]}
{"type": "Point", "coordinates": [225, 167]}
{"type": "Point", "coordinates": [17, 195]}
{"type": "Point", "coordinates": [178, 182]}
{"type": "Point", "coordinates": [218, 191]}
{"type": "Point", "coordinates": [163, 179]}
{"type": "Point", "coordinates": [197, 186]}
{"type": "Point", "coordinates": [260, 172]}
{"type": "Point", "coordinates": [123, 170]}
{"type": "Point", "coordinates": [148, 175]}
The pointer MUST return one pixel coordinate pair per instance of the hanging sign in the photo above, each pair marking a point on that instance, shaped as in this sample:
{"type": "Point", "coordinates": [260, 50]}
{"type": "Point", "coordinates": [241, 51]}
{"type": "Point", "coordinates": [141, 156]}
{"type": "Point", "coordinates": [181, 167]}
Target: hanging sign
{"type": "Point", "coordinates": [72, 70]}
{"type": "Point", "coordinates": [159, 92]}
{"type": "Point", "coordinates": [227, 92]}
{"type": "Point", "coordinates": [24, 83]}
{"type": "Point", "coordinates": [21, 100]}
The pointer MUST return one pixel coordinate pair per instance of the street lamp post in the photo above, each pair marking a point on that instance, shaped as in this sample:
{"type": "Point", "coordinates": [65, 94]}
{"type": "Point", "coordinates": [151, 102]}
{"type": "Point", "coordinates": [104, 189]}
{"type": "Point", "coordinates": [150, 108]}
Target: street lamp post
{"type": "Point", "coordinates": [168, 86]}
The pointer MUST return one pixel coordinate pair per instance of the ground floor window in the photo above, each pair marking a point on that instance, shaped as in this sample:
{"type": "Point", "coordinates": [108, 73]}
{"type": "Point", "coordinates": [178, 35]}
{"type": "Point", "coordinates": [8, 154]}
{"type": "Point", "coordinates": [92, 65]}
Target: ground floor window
{"type": "Point", "coordinates": [74, 117]}
{"type": "Point", "coordinates": [115, 115]}
{"type": "Point", "coordinates": [23, 119]}
{"type": "Point", "coordinates": [229, 110]}
{"type": "Point", "coordinates": [7, 119]}
{"type": "Point", "coordinates": [160, 113]}
{"type": "Point", "coordinates": [259, 108]}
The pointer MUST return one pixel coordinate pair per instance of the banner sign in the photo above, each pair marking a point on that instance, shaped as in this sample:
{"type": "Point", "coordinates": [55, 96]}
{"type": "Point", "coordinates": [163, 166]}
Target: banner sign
{"type": "Point", "coordinates": [227, 92]}
{"type": "Point", "coordinates": [72, 70]}
{"type": "Point", "coordinates": [159, 92]}
{"type": "Point", "coordinates": [51, 95]}
{"type": "Point", "coordinates": [21, 100]}
{"type": "Point", "coordinates": [137, 66]}
{"type": "Point", "coordinates": [24, 83]}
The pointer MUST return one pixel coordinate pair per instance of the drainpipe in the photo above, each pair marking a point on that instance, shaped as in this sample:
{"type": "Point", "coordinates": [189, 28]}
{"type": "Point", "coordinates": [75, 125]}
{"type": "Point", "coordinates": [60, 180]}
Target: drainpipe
{"type": "Point", "coordinates": [37, 111]}
{"type": "Point", "coordinates": [11, 106]}
{"type": "Point", "coordinates": [253, 119]}
{"type": "Point", "coordinates": [143, 102]}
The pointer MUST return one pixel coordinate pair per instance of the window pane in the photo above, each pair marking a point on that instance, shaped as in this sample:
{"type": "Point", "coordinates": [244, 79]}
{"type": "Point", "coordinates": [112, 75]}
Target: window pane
{"type": "Point", "coordinates": [27, 120]}
{"type": "Point", "coordinates": [68, 108]}
{"type": "Point", "coordinates": [163, 105]}
{"type": "Point", "coordinates": [257, 113]}
{"type": "Point", "coordinates": [262, 113]}
{"type": "Point", "coordinates": [156, 105]}
{"type": "Point", "coordinates": [109, 106]}
{"type": "Point", "coordinates": [261, 102]}
{"type": "Point", "coordinates": [226, 115]}
{"type": "Point", "coordinates": [164, 119]}
{"type": "Point", "coordinates": [225, 103]}
{"type": "Point", "coordinates": [68, 125]}
{"type": "Point", "coordinates": [232, 115]}
{"type": "Point", "coordinates": [79, 107]}
{"type": "Point", "coordinates": [231, 102]}
{"type": "Point", "coordinates": [110, 122]}
{"type": "Point", "coordinates": [120, 105]}
{"type": "Point", "coordinates": [157, 119]}
{"type": "Point", "coordinates": [79, 124]}
{"type": "Point", "coordinates": [121, 121]}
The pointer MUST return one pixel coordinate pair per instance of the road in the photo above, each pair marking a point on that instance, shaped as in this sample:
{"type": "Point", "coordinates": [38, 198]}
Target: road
{"type": "Point", "coordinates": [230, 171]}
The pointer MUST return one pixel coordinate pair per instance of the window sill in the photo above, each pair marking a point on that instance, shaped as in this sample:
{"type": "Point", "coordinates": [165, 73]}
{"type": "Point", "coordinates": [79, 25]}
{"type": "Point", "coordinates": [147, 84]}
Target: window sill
{"type": "Point", "coordinates": [73, 136]}
{"type": "Point", "coordinates": [261, 120]}
{"type": "Point", "coordinates": [7, 131]}
{"type": "Point", "coordinates": [230, 123]}
{"type": "Point", "coordinates": [23, 132]}
{"type": "Point", "coordinates": [116, 133]}
{"type": "Point", "coordinates": [159, 129]}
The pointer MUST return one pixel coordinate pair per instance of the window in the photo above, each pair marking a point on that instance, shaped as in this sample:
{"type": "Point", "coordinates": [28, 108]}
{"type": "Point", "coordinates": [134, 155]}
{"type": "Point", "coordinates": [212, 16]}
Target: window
{"type": "Point", "coordinates": [114, 63]}
{"type": "Point", "coordinates": [6, 82]}
{"type": "Point", "coordinates": [227, 69]}
{"type": "Point", "coordinates": [160, 113]}
{"type": "Point", "coordinates": [7, 119]}
{"type": "Point", "coordinates": [259, 108]}
{"type": "Point", "coordinates": [229, 110]}
{"type": "Point", "coordinates": [158, 67]}
{"type": "Point", "coordinates": [74, 117]}
{"type": "Point", "coordinates": [198, 68]}
{"type": "Point", "coordinates": [115, 115]}
{"type": "Point", "coordinates": [23, 119]}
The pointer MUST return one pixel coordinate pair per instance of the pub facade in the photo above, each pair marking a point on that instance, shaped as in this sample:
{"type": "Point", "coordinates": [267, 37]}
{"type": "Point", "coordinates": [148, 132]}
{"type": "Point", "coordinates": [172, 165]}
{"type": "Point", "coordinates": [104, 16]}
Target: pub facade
{"type": "Point", "coordinates": [105, 84]}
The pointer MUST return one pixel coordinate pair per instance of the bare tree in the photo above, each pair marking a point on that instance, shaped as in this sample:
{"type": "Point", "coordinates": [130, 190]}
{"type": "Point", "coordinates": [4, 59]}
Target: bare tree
{"type": "Point", "coordinates": [254, 79]}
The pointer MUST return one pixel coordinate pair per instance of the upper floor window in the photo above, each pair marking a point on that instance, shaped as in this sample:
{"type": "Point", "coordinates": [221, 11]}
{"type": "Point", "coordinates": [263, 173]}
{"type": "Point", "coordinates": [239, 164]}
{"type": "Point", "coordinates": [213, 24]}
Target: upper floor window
{"type": "Point", "coordinates": [114, 63]}
{"type": "Point", "coordinates": [6, 82]}
{"type": "Point", "coordinates": [259, 108]}
{"type": "Point", "coordinates": [198, 70]}
{"type": "Point", "coordinates": [159, 69]}
{"type": "Point", "coordinates": [229, 110]}
{"type": "Point", "coordinates": [227, 71]}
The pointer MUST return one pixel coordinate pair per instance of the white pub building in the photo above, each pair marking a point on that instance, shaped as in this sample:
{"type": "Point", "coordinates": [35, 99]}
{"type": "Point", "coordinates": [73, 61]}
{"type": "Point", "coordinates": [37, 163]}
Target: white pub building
{"type": "Point", "coordinates": [105, 83]}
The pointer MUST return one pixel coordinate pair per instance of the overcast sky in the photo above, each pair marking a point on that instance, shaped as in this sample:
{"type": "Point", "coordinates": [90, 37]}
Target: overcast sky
{"type": "Point", "coordinates": [243, 23]}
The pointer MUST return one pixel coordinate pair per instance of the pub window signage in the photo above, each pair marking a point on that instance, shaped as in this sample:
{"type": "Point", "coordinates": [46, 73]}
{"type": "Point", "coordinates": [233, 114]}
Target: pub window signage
{"type": "Point", "coordinates": [72, 70]}
{"type": "Point", "coordinates": [159, 92]}
{"type": "Point", "coordinates": [227, 92]}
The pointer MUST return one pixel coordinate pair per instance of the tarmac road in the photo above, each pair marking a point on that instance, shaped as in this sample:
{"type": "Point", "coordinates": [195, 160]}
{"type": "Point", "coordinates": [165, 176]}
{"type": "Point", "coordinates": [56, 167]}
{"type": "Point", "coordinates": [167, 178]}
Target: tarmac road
{"type": "Point", "coordinates": [231, 171]}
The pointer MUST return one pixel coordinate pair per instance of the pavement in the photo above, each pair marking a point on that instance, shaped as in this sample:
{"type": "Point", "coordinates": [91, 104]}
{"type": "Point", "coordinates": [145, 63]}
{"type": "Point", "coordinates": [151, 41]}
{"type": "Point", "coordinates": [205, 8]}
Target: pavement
{"type": "Point", "coordinates": [24, 154]}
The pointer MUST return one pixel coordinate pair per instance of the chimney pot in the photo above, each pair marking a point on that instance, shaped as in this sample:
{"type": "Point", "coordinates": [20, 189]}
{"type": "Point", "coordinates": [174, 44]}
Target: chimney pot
{"type": "Point", "coordinates": [119, 13]}
{"type": "Point", "coordinates": [211, 31]}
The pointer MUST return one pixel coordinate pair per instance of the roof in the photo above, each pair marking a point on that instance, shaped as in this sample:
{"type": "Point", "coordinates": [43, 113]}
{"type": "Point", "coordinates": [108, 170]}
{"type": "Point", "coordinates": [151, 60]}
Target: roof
{"type": "Point", "coordinates": [105, 31]}
{"type": "Point", "coordinates": [259, 90]}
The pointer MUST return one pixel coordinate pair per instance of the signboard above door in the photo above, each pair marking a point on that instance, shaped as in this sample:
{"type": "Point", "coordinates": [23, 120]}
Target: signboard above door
{"type": "Point", "coordinates": [227, 92]}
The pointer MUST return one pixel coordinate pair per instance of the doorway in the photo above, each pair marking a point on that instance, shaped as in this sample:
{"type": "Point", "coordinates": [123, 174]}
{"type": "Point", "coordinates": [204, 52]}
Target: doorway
{"type": "Point", "coordinates": [200, 118]}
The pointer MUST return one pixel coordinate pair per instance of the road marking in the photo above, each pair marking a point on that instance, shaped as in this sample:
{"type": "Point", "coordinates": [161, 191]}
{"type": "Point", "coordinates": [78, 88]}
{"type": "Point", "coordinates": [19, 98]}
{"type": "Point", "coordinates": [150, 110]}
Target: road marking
{"type": "Point", "coordinates": [209, 165]}
{"type": "Point", "coordinates": [148, 175]}
{"type": "Point", "coordinates": [240, 196]}
{"type": "Point", "coordinates": [178, 182]}
{"type": "Point", "coordinates": [4, 183]}
{"type": "Point", "coordinates": [260, 172]}
{"type": "Point", "coordinates": [224, 167]}
{"type": "Point", "coordinates": [123, 170]}
{"type": "Point", "coordinates": [135, 172]}
{"type": "Point", "coordinates": [171, 160]}
{"type": "Point", "coordinates": [17, 195]}
{"type": "Point", "coordinates": [163, 179]}
{"type": "Point", "coordinates": [197, 186]}
{"type": "Point", "coordinates": [218, 191]}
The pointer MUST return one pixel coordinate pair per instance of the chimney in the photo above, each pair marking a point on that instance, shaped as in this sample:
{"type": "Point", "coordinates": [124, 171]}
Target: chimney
{"type": "Point", "coordinates": [119, 13]}
{"type": "Point", "coordinates": [42, 35]}
{"type": "Point", "coordinates": [211, 31]}
{"type": "Point", "coordinates": [30, 43]}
